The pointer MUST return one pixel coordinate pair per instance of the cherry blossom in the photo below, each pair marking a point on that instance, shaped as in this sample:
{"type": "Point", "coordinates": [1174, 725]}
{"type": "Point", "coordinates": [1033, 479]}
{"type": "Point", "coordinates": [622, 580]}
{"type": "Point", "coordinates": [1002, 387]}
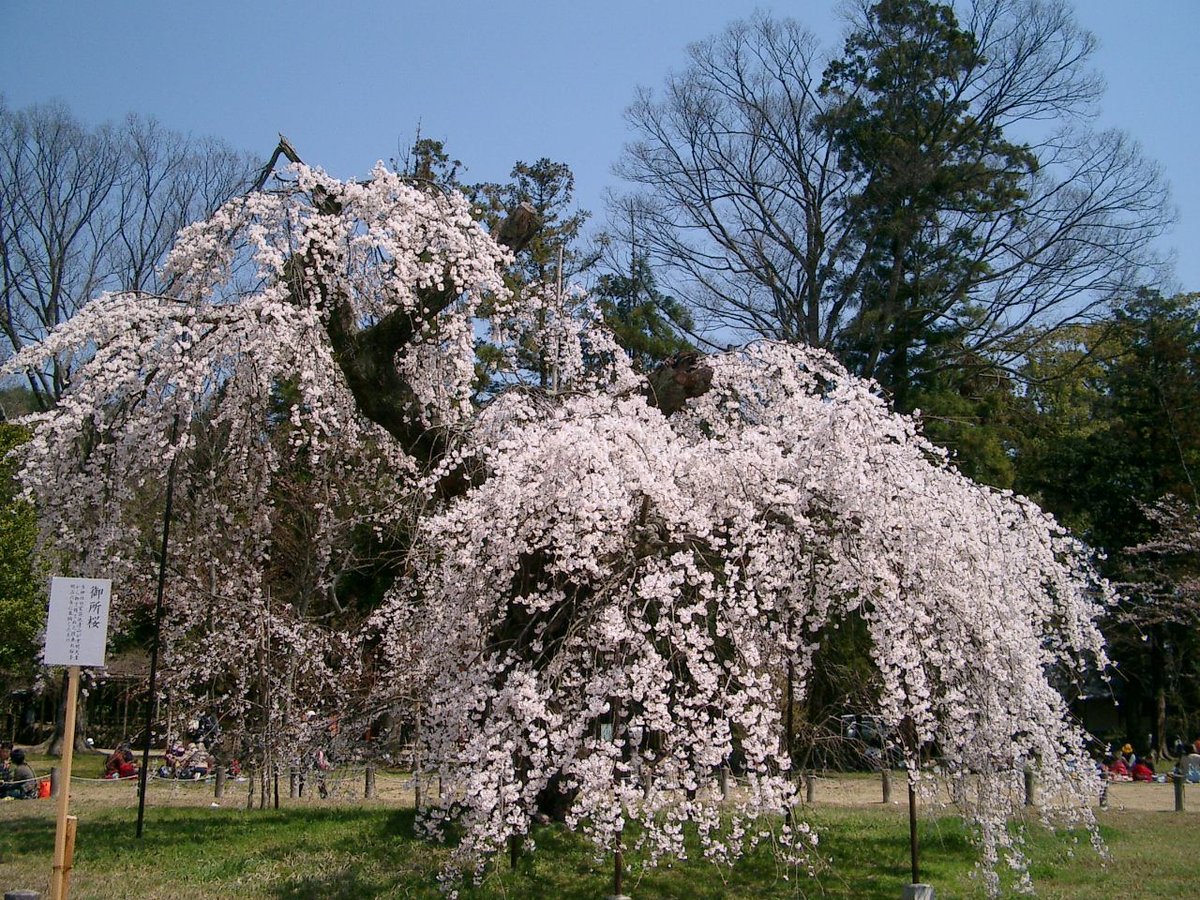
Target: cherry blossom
{"type": "Point", "coordinates": [597, 600]}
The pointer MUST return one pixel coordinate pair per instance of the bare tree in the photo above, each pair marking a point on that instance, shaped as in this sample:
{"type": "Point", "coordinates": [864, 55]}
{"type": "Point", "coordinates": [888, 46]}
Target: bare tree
{"type": "Point", "coordinates": [55, 223]}
{"type": "Point", "coordinates": [84, 210]}
{"type": "Point", "coordinates": [794, 196]}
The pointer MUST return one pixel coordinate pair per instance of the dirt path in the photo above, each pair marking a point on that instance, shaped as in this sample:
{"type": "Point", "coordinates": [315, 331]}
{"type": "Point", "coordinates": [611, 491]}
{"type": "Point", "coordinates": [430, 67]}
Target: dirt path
{"type": "Point", "coordinates": [347, 786]}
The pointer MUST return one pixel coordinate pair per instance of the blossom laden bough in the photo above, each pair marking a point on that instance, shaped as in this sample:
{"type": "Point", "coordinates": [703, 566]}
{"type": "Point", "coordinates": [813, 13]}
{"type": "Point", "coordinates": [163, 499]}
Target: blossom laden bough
{"type": "Point", "coordinates": [607, 614]}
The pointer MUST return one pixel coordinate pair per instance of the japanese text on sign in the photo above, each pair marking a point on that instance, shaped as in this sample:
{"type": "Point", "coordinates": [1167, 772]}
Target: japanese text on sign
{"type": "Point", "coordinates": [77, 626]}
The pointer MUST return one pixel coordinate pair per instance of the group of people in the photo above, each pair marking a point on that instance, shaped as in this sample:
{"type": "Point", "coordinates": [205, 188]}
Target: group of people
{"type": "Point", "coordinates": [1128, 766]}
{"type": "Point", "coordinates": [17, 778]}
{"type": "Point", "coordinates": [190, 762]}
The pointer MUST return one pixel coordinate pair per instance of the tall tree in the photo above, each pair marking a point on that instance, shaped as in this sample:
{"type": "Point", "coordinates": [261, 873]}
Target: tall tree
{"type": "Point", "coordinates": [540, 281]}
{"type": "Point", "coordinates": [935, 181]}
{"type": "Point", "coordinates": [924, 171]}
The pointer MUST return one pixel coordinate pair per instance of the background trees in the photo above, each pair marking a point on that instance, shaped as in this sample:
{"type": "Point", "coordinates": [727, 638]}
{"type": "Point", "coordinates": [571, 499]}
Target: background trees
{"type": "Point", "coordinates": [84, 210]}
{"type": "Point", "coordinates": [1107, 438]}
{"type": "Point", "coordinates": [913, 204]}
{"type": "Point", "coordinates": [22, 585]}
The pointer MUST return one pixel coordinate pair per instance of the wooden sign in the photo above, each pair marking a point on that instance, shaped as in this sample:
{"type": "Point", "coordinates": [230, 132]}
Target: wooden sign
{"type": "Point", "coordinates": [77, 626]}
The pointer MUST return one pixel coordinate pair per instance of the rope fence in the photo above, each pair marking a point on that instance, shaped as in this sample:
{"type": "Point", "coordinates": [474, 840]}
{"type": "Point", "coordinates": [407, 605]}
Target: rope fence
{"type": "Point", "coordinates": [360, 782]}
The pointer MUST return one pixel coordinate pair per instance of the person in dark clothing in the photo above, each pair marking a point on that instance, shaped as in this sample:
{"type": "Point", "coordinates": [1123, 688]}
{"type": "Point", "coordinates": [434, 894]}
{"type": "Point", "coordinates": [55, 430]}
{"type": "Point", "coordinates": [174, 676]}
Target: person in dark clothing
{"type": "Point", "coordinates": [21, 783]}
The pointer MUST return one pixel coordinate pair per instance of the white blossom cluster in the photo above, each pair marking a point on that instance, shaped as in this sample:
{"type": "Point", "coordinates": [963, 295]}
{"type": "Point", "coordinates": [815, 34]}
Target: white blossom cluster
{"type": "Point", "coordinates": [608, 614]}
{"type": "Point", "coordinates": [562, 332]}
{"type": "Point", "coordinates": [233, 376]}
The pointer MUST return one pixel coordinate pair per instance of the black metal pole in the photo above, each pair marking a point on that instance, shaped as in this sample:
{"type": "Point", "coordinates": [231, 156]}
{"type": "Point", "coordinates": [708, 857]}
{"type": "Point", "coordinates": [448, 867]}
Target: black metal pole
{"type": "Point", "coordinates": [912, 830]}
{"type": "Point", "coordinates": [158, 615]}
{"type": "Point", "coordinates": [914, 747]}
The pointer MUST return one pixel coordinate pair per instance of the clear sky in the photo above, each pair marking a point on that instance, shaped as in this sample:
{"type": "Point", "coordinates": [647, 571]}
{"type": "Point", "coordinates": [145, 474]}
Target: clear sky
{"type": "Point", "coordinates": [348, 82]}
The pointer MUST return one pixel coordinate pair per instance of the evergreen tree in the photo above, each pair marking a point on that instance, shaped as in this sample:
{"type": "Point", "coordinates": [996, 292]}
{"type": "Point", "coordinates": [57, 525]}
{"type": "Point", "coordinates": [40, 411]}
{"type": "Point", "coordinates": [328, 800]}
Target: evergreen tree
{"type": "Point", "coordinates": [926, 170]}
{"type": "Point", "coordinates": [644, 320]}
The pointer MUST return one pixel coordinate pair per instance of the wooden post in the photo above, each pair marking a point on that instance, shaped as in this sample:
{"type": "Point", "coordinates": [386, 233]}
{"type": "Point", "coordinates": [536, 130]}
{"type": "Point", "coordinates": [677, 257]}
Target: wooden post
{"type": "Point", "coordinates": [292, 778]}
{"type": "Point", "coordinates": [810, 788]}
{"type": "Point", "coordinates": [724, 776]}
{"type": "Point", "coordinates": [69, 858]}
{"type": "Point", "coordinates": [54, 785]}
{"type": "Point", "coordinates": [1180, 780]}
{"type": "Point", "coordinates": [369, 789]}
{"type": "Point", "coordinates": [887, 782]}
{"type": "Point", "coordinates": [1030, 788]}
{"type": "Point", "coordinates": [57, 873]}
{"type": "Point", "coordinates": [219, 789]}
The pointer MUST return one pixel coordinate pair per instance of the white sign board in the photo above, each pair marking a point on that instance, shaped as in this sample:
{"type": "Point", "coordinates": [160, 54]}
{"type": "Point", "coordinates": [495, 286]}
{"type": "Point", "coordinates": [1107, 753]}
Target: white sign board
{"type": "Point", "coordinates": [77, 627]}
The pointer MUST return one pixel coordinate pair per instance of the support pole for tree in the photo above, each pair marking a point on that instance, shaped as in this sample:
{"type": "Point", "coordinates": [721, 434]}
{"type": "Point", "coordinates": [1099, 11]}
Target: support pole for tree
{"type": "Point", "coordinates": [619, 844]}
{"type": "Point", "coordinates": [158, 617]}
{"type": "Point", "coordinates": [912, 831]}
{"type": "Point", "coordinates": [69, 855]}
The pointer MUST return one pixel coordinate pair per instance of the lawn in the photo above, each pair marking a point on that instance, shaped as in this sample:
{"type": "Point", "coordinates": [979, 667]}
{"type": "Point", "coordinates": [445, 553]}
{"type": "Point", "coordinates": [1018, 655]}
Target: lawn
{"type": "Point", "coordinates": [366, 850]}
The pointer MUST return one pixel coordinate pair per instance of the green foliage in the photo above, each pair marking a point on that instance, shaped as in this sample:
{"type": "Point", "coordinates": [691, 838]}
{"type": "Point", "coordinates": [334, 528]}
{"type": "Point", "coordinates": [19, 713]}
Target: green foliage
{"type": "Point", "coordinates": [927, 167]}
{"type": "Point", "coordinates": [549, 187]}
{"type": "Point", "coordinates": [1111, 425]}
{"type": "Point", "coordinates": [16, 402]}
{"type": "Point", "coordinates": [22, 580]}
{"type": "Point", "coordinates": [645, 321]}
{"type": "Point", "coordinates": [428, 161]}
{"type": "Point", "coordinates": [973, 416]}
{"type": "Point", "coordinates": [1114, 417]}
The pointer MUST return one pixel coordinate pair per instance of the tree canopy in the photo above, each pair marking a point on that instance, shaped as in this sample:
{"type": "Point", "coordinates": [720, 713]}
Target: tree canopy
{"type": "Point", "coordinates": [915, 203]}
{"type": "Point", "coordinates": [596, 582]}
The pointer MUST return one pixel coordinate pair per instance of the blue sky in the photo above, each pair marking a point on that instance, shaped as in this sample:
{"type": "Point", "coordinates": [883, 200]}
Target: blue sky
{"type": "Point", "coordinates": [348, 82]}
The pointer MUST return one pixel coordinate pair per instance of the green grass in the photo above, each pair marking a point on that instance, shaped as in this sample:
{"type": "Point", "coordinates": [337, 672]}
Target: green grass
{"type": "Point", "coordinates": [370, 851]}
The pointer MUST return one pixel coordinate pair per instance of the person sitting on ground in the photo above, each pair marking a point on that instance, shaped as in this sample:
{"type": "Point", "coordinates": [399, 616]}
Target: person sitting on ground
{"type": "Point", "coordinates": [1117, 770]}
{"type": "Point", "coordinates": [1189, 767]}
{"type": "Point", "coordinates": [196, 764]}
{"type": "Point", "coordinates": [1143, 769]}
{"type": "Point", "coordinates": [1129, 756]}
{"type": "Point", "coordinates": [129, 768]}
{"type": "Point", "coordinates": [21, 783]}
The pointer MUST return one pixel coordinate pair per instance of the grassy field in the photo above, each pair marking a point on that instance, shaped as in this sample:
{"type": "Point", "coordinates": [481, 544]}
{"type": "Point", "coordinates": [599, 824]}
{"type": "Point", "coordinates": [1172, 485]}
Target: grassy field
{"type": "Point", "coordinates": [367, 849]}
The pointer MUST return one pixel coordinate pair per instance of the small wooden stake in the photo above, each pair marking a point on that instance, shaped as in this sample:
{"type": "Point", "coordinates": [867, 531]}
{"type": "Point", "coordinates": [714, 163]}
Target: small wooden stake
{"type": "Point", "coordinates": [58, 884]}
